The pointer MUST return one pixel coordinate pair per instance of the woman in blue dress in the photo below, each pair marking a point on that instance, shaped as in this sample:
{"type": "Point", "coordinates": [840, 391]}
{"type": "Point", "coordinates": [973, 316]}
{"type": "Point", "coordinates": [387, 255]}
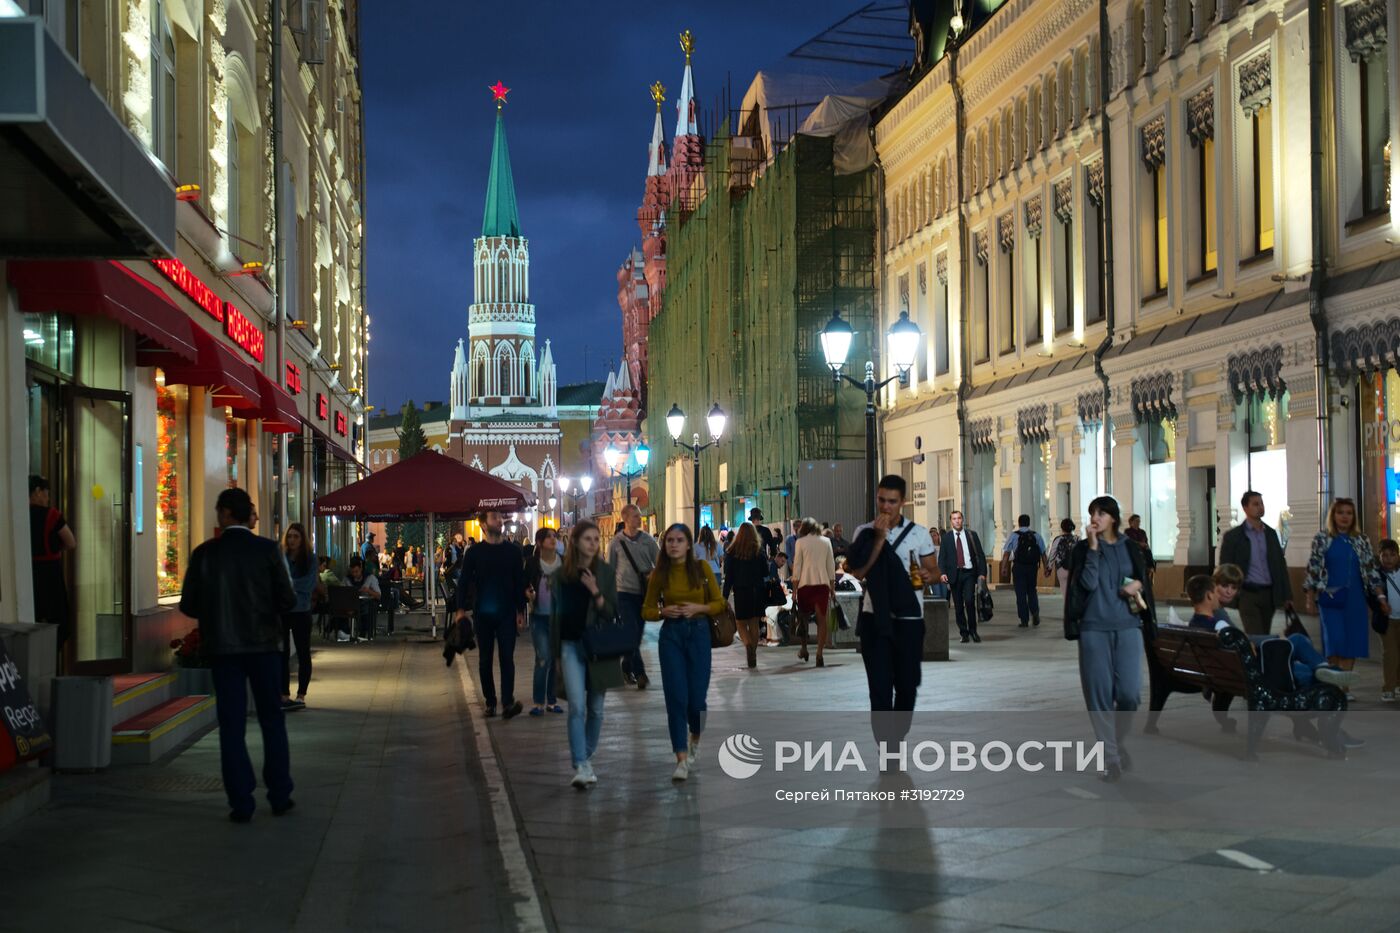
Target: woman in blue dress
{"type": "Point", "coordinates": [1341, 568]}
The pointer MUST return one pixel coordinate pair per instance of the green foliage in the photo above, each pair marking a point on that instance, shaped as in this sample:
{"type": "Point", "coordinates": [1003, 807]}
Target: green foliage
{"type": "Point", "coordinates": [412, 439]}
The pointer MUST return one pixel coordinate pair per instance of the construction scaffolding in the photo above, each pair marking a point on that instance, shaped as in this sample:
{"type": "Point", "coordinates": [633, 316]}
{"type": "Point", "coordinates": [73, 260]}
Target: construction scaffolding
{"type": "Point", "coordinates": [753, 275]}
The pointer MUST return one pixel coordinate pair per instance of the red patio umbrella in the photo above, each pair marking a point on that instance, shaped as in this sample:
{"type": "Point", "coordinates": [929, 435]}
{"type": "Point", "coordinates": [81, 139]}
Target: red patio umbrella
{"type": "Point", "coordinates": [426, 485]}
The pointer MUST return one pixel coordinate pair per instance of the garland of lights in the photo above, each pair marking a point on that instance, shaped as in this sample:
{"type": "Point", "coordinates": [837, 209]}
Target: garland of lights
{"type": "Point", "coordinates": [167, 491]}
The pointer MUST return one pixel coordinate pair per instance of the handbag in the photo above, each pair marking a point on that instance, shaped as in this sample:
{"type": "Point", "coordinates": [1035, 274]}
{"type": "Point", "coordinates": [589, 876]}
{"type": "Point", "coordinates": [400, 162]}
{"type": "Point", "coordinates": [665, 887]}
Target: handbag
{"type": "Point", "coordinates": [773, 593]}
{"type": "Point", "coordinates": [985, 609]}
{"type": "Point", "coordinates": [723, 625]}
{"type": "Point", "coordinates": [836, 618]}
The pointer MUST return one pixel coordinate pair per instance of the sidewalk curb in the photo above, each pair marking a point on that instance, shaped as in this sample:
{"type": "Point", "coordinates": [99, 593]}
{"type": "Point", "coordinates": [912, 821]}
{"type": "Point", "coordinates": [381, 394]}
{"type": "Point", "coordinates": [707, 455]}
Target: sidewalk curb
{"type": "Point", "coordinates": [520, 869]}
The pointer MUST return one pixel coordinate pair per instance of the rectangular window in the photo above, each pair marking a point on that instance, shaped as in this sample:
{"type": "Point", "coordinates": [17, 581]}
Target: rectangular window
{"type": "Point", "coordinates": [1161, 488]}
{"type": "Point", "coordinates": [921, 361]}
{"type": "Point", "coordinates": [1158, 181]}
{"type": "Point", "coordinates": [1263, 150]}
{"type": "Point", "coordinates": [1064, 275]}
{"type": "Point", "coordinates": [162, 88]}
{"type": "Point", "coordinates": [1375, 134]}
{"type": "Point", "coordinates": [1205, 210]}
{"type": "Point", "coordinates": [1035, 311]}
{"type": "Point", "coordinates": [982, 315]}
{"type": "Point", "coordinates": [1095, 305]}
{"type": "Point", "coordinates": [172, 485]}
{"type": "Point", "coordinates": [943, 340]}
{"type": "Point", "coordinates": [1006, 318]}
{"type": "Point", "coordinates": [233, 183]}
{"type": "Point", "coordinates": [1264, 419]}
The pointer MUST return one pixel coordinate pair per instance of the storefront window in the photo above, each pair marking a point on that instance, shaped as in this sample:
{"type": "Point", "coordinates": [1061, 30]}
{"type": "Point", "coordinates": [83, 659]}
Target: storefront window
{"type": "Point", "coordinates": [1161, 488]}
{"type": "Point", "coordinates": [172, 484]}
{"type": "Point", "coordinates": [1265, 419]}
{"type": "Point", "coordinates": [235, 450]}
{"type": "Point", "coordinates": [48, 341]}
{"type": "Point", "coordinates": [296, 453]}
{"type": "Point", "coordinates": [1380, 454]}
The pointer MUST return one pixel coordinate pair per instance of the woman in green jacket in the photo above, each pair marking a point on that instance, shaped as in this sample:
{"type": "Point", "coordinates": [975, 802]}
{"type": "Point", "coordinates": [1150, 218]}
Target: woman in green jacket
{"type": "Point", "coordinates": [584, 593]}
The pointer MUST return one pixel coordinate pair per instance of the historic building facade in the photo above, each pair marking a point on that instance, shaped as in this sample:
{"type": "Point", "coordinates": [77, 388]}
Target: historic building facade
{"type": "Point", "coordinates": [147, 373]}
{"type": "Point", "coordinates": [1186, 371]}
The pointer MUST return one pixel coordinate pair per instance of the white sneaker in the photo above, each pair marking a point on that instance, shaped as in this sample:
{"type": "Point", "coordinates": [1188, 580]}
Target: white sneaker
{"type": "Point", "coordinates": [693, 750]}
{"type": "Point", "coordinates": [342, 637]}
{"type": "Point", "coordinates": [581, 776]}
{"type": "Point", "coordinates": [682, 771]}
{"type": "Point", "coordinates": [1330, 675]}
{"type": "Point", "coordinates": [1388, 696]}
{"type": "Point", "coordinates": [588, 774]}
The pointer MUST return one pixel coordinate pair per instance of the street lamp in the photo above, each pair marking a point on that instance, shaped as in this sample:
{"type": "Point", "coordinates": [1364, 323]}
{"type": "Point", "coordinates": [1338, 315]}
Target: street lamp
{"type": "Point", "coordinates": [612, 457]}
{"type": "Point", "coordinates": [553, 502]}
{"type": "Point", "coordinates": [675, 423]}
{"type": "Point", "coordinates": [585, 484]}
{"type": "Point", "coordinates": [902, 343]}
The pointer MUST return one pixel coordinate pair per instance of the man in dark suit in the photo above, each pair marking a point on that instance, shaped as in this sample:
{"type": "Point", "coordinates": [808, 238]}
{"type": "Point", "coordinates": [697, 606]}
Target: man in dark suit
{"type": "Point", "coordinates": [963, 564]}
{"type": "Point", "coordinates": [237, 586]}
{"type": "Point", "coordinates": [1255, 549]}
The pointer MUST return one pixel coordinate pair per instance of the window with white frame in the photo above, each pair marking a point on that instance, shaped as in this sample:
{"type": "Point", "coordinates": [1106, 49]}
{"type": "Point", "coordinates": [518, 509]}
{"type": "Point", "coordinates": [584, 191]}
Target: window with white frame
{"type": "Point", "coordinates": [1095, 299]}
{"type": "Point", "coordinates": [1367, 74]}
{"type": "Point", "coordinates": [1255, 135]}
{"type": "Point", "coordinates": [1154, 204]}
{"type": "Point", "coordinates": [942, 320]}
{"type": "Point", "coordinates": [163, 97]}
{"type": "Point", "coordinates": [1200, 129]}
{"type": "Point", "coordinates": [1006, 298]}
{"type": "Point", "coordinates": [981, 298]}
{"type": "Point", "coordinates": [1062, 255]}
{"type": "Point", "coordinates": [921, 365]}
{"type": "Point", "coordinates": [1034, 324]}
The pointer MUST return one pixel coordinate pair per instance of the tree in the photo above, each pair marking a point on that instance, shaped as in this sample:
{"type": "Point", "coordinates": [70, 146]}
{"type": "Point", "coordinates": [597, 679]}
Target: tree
{"type": "Point", "coordinates": [412, 439]}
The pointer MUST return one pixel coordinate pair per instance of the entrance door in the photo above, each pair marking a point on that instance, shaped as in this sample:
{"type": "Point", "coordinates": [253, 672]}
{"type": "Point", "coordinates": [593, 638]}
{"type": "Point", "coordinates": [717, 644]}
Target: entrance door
{"type": "Point", "coordinates": [98, 454]}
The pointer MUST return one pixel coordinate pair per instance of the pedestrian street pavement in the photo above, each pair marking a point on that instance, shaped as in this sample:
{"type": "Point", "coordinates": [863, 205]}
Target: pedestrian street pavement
{"type": "Point", "coordinates": [417, 813]}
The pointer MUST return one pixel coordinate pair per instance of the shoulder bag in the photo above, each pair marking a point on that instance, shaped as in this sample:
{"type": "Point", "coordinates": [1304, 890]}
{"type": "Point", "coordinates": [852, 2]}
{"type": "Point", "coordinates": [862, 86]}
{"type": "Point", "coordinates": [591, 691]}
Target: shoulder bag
{"type": "Point", "coordinates": [627, 552]}
{"type": "Point", "coordinates": [722, 626]}
{"type": "Point", "coordinates": [608, 638]}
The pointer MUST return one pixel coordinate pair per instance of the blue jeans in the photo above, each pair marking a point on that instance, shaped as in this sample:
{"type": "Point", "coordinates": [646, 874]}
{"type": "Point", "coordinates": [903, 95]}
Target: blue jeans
{"type": "Point", "coordinates": [629, 608]}
{"type": "Point", "coordinates": [684, 650]}
{"type": "Point", "coordinates": [233, 674]}
{"type": "Point", "coordinates": [544, 664]}
{"type": "Point", "coordinates": [585, 703]}
{"type": "Point", "coordinates": [491, 631]}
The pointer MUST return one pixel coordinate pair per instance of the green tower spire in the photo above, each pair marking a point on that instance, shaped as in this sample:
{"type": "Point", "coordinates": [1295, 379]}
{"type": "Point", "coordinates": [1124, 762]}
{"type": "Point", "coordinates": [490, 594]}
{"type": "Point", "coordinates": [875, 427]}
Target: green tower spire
{"type": "Point", "coordinates": [501, 217]}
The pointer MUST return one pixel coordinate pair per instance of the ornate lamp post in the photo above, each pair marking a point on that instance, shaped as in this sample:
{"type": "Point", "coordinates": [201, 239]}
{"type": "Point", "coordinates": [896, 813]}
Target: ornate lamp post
{"type": "Point", "coordinates": [675, 423]}
{"type": "Point", "coordinates": [585, 484]}
{"type": "Point", "coordinates": [641, 456]}
{"type": "Point", "coordinates": [902, 341]}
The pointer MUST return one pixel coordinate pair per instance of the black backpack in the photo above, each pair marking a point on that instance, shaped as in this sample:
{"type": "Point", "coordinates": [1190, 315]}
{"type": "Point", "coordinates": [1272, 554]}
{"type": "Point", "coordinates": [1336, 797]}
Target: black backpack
{"type": "Point", "coordinates": [1027, 550]}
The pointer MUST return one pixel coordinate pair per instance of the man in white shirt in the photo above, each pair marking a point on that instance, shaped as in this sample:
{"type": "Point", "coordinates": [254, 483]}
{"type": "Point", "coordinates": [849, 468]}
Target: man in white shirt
{"type": "Point", "coordinates": [891, 626]}
{"type": "Point", "coordinates": [963, 564]}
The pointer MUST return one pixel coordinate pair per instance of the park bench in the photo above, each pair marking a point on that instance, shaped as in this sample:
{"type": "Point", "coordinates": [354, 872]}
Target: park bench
{"type": "Point", "coordinates": [1186, 660]}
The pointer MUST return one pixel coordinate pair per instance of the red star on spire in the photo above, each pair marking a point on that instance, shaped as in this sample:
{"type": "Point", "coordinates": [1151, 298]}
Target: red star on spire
{"type": "Point", "coordinates": [500, 91]}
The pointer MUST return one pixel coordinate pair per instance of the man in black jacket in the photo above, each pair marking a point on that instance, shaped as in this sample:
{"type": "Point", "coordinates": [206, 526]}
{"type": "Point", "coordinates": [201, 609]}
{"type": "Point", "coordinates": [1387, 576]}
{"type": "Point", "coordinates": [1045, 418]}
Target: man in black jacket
{"type": "Point", "coordinates": [963, 564]}
{"type": "Point", "coordinates": [237, 586]}
{"type": "Point", "coordinates": [491, 589]}
{"type": "Point", "coordinates": [1255, 549]}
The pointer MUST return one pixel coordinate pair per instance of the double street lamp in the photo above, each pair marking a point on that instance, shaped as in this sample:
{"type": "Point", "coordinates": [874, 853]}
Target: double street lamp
{"type": "Point", "coordinates": [612, 457]}
{"type": "Point", "coordinates": [585, 484]}
{"type": "Point", "coordinates": [675, 423]}
{"type": "Point", "coordinates": [902, 341]}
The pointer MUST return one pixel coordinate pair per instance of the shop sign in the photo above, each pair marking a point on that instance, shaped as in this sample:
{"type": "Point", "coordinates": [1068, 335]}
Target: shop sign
{"type": "Point", "coordinates": [342, 424]}
{"type": "Point", "coordinates": [244, 333]}
{"type": "Point", "coordinates": [1378, 436]}
{"type": "Point", "coordinates": [920, 494]}
{"type": "Point", "coordinates": [186, 281]}
{"type": "Point", "coordinates": [293, 378]}
{"type": "Point", "coordinates": [323, 407]}
{"type": "Point", "coordinates": [22, 732]}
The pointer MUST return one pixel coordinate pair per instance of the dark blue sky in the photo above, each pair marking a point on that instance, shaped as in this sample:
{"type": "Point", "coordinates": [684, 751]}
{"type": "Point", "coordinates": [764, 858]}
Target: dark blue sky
{"type": "Point", "coordinates": [578, 120]}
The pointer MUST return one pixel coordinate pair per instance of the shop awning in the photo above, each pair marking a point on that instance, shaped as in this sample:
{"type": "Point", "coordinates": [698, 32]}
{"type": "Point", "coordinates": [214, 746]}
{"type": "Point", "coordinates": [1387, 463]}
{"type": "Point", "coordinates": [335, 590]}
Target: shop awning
{"type": "Point", "coordinates": [334, 447]}
{"type": "Point", "coordinates": [428, 483]}
{"type": "Point", "coordinates": [233, 382]}
{"type": "Point", "coordinates": [110, 290]}
{"type": "Point", "coordinates": [279, 410]}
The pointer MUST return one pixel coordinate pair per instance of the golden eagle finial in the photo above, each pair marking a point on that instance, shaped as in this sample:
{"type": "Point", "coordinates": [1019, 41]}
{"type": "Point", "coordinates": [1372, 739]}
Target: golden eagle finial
{"type": "Point", "coordinates": [658, 94]}
{"type": "Point", "coordinates": [687, 44]}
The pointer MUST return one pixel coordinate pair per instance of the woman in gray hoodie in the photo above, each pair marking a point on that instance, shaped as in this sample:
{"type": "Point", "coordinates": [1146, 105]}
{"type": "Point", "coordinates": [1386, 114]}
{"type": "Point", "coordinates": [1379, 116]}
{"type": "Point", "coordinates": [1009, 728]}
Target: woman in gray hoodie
{"type": "Point", "coordinates": [1109, 596]}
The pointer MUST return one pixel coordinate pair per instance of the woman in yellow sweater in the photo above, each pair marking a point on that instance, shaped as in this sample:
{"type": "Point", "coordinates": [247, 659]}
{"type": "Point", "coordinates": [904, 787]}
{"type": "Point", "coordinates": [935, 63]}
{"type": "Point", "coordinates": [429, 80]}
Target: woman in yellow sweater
{"type": "Point", "coordinates": [683, 594]}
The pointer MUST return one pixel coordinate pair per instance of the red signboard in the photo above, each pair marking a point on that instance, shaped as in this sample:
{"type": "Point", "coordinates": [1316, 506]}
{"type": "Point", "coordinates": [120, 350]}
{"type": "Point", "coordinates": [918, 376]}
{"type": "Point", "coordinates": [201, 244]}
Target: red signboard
{"type": "Point", "coordinates": [323, 408]}
{"type": "Point", "coordinates": [244, 332]}
{"type": "Point", "coordinates": [293, 378]}
{"type": "Point", "coordinates": [341, 424]}
{"type": "Point", "coordinates": [186, 281]}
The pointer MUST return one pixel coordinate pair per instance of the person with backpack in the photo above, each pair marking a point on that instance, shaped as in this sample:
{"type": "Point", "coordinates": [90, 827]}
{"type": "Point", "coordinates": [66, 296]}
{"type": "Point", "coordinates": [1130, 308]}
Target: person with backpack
{"type": "Point", "coordinates": [1060, 550]}
{"type": "Point", "coordinates": [1025, 548]}
{"type": "Point", "coordinates": [632, 554]}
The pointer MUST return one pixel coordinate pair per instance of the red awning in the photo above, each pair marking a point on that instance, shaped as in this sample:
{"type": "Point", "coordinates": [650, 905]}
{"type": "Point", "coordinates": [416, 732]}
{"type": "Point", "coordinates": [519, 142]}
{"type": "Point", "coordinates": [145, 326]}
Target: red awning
{"type": "Point", "coordinates": [427, 483]}
{"type": "Point", "coordinates": [335, 448]}
{"type": "Point", "coordinates": [234, 383]}
{"type": "Point", "coordinates": [110, 290]}
{"type": "Point", "coordinates": [279, 410]}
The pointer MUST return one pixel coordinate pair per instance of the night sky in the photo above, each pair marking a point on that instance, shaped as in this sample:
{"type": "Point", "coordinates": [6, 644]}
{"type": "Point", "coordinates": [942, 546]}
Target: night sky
{"type": "Point", "coordinates": [579, 118]}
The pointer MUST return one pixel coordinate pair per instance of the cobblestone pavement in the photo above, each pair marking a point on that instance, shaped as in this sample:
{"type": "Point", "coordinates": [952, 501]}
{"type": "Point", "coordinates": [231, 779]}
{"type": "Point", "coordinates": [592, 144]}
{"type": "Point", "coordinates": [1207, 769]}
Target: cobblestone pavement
{"type": "Point", "coordinates": [417, 813]}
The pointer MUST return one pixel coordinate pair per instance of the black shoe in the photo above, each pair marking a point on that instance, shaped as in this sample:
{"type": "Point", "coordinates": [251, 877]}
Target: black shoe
{"type": "Point", "coordinates": [490, 712]}
{"type": "Point", "coordinates": [977, 638]}
{"type": "Point", "coordinates": [1111, 775]}
{"type": "Point", "coordinates": [1026, 625]}
{"type": "Point", "coordinates": [642, 681]}
{"type": "Point", "coordinates": [449, 654]}
{"type": "Point", "coordinates": [1035, 620]}
{"type": "Point", "coordinates": [284, 809]}
{"type": "Point", "coordinates": [965, 639]}
{"type": "Point", "coordinates": [236, 816]}
{"type": "Point", "coordinates": [511, 711]}
{"type": "Point", "coordinates": [629, 679]}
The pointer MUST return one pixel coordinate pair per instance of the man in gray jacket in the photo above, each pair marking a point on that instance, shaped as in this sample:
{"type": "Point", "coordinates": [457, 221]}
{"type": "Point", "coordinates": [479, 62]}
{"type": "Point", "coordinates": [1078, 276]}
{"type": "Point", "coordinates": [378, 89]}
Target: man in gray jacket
{"type": "Point", "coordinates": [1255, 549]}
{"type": "Point", "coordinates": [238, 586]}
{"type": "Point", "coordinates": [632, 555]}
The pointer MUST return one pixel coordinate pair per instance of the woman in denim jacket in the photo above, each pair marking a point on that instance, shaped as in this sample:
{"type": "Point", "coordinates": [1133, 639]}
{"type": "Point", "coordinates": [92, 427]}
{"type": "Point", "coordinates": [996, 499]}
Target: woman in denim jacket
{"type": "Point", "coordinates": [1341, 568]}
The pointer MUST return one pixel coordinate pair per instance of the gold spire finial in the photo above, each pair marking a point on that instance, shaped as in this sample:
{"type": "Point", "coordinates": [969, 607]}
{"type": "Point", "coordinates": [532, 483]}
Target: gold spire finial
{"type": "Point", "coordinates": [658, 94]}
{"type": "Point", "coordinates": [687, 45]}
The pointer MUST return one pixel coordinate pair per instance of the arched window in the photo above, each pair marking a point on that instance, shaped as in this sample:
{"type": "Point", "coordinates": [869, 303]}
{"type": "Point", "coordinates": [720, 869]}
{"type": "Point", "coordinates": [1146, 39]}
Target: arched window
{"type": "Point", "coordinates": [527, 371]}
{"type": "Point", "coordinates": [242, 183]}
